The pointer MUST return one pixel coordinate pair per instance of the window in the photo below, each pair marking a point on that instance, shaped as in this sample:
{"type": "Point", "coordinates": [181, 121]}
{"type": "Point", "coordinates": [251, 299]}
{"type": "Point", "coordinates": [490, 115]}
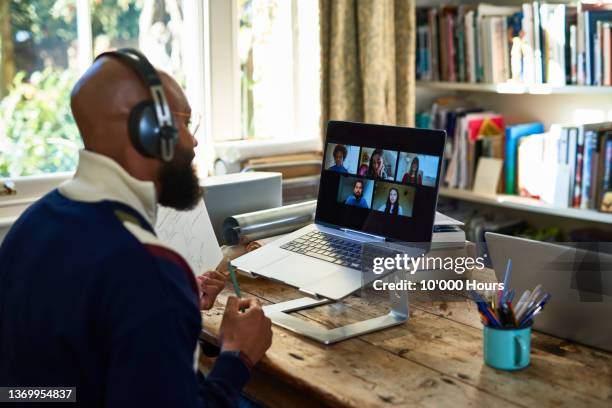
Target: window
{"type": "Point", "coordinates": [251, 67]}
{"type": "Point", "coordinates": [277, 43]}
{"type": "Point", "coordinates": [45, 44]}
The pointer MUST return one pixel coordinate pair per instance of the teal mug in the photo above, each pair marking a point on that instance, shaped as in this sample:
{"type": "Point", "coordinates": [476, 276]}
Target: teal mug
{"type": "Point", "coordinates": [507, 349]}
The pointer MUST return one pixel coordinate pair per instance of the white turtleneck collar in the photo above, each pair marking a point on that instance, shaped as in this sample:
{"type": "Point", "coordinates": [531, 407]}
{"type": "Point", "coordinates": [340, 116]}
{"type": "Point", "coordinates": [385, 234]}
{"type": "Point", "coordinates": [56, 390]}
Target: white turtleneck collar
{"type": "Point", "coordinates": [99, 178]}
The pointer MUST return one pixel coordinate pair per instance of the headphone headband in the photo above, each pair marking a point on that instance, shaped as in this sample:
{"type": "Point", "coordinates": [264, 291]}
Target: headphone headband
{"type": "Point", "coordinates": [165, 123]}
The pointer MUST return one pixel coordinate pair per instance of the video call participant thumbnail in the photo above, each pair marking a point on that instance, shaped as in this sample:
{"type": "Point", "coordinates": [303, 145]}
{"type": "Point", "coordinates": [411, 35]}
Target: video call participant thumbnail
{"type": "Point", "coordinates": [393, 199]}
{"type": "Point", "coordinates": [417, 169]}
{"type": "Point", "coordinates": [341, 158]}
{"type": "Point", "coordinates": [413, 176]}
{"type": "Point", "coordinates": [355, 191]}
{"type": "Point", "coordinates": [377, 163]}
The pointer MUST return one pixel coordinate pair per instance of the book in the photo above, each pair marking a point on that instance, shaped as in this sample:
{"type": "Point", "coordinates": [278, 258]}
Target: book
{"type": "Point", "coordinates": [591, 17]}
{"type": "Point", "coordinates": [590, 143]}
{"type": "Point", "coordinates": [470, 46]}
{"type": "Point", "coordinates": [606, 179]}
{"type": "Point", "coordinates": [513, 135]}
{"type": "Point", "coordinates": [537, 44]}
{"type": "Point", "coordinates": [434, 41]}
{"type": "Point", "coordinates": [577, 188]}
{"type": "Point", "coordinates": [606, 51]}
{"type": "Point", "coordinates": [573, 56]}
{"type": "Point", "coordinates": [528, 44]}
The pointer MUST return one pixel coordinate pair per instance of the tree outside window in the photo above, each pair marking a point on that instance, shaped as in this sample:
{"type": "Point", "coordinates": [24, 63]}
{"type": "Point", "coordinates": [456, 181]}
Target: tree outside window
{"type": "Point", "coordinates": [39, 65]}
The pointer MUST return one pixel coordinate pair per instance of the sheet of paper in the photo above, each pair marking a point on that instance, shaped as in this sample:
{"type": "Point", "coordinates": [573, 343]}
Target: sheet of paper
{"type": "Point", "coordinates": [191, 234]}
{"type": "Point", "coordinates": [442, 219]}
{"type": "Point", "coordinates": [487, 175]}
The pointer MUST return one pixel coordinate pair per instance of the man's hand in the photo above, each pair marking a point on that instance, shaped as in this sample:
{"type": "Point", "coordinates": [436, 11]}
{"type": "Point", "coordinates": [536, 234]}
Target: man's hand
{"type": "Point", "coordinates": [210, 284]}
{"type": "Point", "coordinates": [249, 332]}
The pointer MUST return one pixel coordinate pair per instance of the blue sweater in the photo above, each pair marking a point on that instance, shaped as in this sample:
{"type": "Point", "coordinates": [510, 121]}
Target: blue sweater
{"type": "Point", "coordinates": [85, 303]}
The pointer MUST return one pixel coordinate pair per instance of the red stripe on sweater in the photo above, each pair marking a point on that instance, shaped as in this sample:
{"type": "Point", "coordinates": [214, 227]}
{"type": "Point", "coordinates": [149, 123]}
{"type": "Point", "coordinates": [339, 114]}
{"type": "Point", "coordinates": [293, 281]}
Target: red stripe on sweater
{"type": "Point", "coordinates": [168, 254]}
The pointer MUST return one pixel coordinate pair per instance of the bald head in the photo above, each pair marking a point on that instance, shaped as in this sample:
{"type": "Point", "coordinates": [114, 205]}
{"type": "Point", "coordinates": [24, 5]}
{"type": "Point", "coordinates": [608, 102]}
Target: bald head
{"type": "Point", "coordinates": [101, 102]}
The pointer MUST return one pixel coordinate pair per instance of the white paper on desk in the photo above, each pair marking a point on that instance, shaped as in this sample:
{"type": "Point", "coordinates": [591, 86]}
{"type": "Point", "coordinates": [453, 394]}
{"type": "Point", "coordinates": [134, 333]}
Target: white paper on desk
{"type": "Point", "coordinates": [191, 234]}
{"type": "Point", "coordinates": [442, 219]}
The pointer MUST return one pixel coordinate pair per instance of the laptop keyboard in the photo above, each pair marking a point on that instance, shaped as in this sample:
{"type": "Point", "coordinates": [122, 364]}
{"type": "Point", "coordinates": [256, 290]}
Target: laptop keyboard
{"type": "Point", "coordinates": [328, 248]}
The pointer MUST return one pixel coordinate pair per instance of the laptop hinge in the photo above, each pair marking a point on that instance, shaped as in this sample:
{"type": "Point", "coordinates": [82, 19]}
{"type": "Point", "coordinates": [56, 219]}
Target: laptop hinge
{"type": "Point", "coordinates": [363, 234]}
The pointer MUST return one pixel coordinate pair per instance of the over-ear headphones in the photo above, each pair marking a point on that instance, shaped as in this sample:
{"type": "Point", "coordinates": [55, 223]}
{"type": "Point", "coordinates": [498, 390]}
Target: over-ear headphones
{"type": "Point", "coordinates": [150, 125]}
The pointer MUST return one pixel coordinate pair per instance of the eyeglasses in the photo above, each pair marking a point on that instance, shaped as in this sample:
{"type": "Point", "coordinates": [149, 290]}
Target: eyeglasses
{"type": "Point", "coordinates": [190, 121]}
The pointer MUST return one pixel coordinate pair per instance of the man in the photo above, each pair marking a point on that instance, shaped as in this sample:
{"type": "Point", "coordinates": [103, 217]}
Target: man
{"type": "Point", "coordinates": [339, 154]}
{"type": "Point", "coordinates": [357, 198]}
{"type": "Point", "coordinates": [90, 298]}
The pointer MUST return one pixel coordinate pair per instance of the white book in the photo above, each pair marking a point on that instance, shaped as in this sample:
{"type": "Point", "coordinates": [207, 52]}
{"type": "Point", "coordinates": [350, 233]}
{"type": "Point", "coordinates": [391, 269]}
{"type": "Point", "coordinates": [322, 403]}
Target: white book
{"type": "Point", "coordinates": [556, 36]}
{"type": "Point", "coordinates": [528, 61]}
{"type": "Point", "coordinates": [498, 51]}
{"type": "Point", "coordinates": [495, 10]}
{"type": "Point", "coordinates": [505, 71]}
{"type": "Point", "coordinates": [574, 54]}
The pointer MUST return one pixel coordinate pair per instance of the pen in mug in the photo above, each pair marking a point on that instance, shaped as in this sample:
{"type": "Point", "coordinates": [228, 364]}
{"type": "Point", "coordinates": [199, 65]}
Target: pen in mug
{"type": "Point", "coordinates": [522, 300]}
{"type": "Point", "coordinates": [506, 281]}
{"type": "Point", "coordinates": [529, 302]}
{"type": "Point", "coordinates": [540, 304]}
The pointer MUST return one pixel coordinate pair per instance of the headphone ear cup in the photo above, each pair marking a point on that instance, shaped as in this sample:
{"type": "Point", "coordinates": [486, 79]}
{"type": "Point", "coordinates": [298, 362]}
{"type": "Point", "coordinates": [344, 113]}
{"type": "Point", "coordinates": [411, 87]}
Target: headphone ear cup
{"type": "Point", "coordinates": [144, 129]}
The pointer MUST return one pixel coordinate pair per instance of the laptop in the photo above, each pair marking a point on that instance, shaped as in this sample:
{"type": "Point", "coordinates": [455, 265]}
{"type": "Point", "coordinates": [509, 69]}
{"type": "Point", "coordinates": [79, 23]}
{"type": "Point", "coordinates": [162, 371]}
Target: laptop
{"type": "Point", "coordinates": [579, 281]}
{"type": "Point", "coordinates": [378, 184]}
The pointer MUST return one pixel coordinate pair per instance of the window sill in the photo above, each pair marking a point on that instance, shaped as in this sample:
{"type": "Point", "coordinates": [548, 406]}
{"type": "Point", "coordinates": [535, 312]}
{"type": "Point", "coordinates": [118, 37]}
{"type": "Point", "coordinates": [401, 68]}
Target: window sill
{"type": "Point", "coordinates": [237, 151]}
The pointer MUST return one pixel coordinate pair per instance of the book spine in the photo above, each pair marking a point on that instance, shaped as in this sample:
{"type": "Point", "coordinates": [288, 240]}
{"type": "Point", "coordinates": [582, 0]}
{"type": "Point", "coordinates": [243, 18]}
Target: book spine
{"type": "Point", "coordinates": [573, 55]}
{"type": "Point", "coordinates": [579, 164]}
{"type": "Point", "coordinates": [571, 161]}
{"type": "Point", "coordinates": [478, 46]}
{"type": "Point", "coordinates": [607, 170]}
{"type": "Point", "coordinates": [469, 46]}
{"type": "Point", "coordinates": [460, 41]}
{"type": "Point", "coordinates": [597, 47]}
{"type": "Point", "coordinates": [589, 148]}
{"type": "Point", "coordinates": [528, 58]}
{"type": "Point", "coordinates": [435, 51]}
{"type": "Point", "coordinates": [452, 54]}
{"type": "Point", "coordinates": [607, 51]}
{"type": "Point", "coordinates": [537, 50]}
{"type": "Point", "coordinates": [588, 49]}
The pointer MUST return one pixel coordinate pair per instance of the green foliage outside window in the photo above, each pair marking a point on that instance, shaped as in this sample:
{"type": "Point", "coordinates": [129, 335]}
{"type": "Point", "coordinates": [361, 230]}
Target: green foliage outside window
{"type": "Point", "coordinates": [37, 130]}
{"type": "Point", "coordinates": [38, 133]}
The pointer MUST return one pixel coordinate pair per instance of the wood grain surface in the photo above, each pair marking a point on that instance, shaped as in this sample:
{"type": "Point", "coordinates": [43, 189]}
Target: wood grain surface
{"type": "Point", "coordinates": [434, 360]}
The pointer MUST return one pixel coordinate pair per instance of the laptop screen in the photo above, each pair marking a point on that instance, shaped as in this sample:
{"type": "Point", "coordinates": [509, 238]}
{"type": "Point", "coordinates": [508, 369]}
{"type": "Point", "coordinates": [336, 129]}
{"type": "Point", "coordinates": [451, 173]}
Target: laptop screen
{"type": "Point", "coordinates": [381, 180]}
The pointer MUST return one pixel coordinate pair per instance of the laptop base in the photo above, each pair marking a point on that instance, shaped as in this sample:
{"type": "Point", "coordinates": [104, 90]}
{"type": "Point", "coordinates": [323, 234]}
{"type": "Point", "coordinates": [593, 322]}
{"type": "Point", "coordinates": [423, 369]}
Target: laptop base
{"type": "Point", "coordinates": [279, 314]}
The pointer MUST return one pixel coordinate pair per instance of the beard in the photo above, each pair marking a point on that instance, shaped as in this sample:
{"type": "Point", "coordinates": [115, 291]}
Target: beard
{"type": "Point", "coordinates": [179, 185]}
{"type": "Point", "coordinates": [358, 196]}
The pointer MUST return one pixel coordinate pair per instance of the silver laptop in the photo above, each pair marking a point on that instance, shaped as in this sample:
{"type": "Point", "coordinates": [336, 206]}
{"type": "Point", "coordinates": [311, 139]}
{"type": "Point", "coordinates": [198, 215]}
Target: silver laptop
{"type": "Point", "coordinates": [378, 184]}
{"type": "Point", "coordinates": [579, 281]}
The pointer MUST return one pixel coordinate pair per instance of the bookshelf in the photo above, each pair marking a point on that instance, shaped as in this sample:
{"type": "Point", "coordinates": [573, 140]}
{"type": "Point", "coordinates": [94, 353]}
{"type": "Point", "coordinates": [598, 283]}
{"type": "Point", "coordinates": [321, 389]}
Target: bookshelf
{"type": "Point", "coordinates": [526, 204]}
{"type": "Point", "coordinates": [520, 103]}
{"type": "Point", "coordinates": [517, 89]}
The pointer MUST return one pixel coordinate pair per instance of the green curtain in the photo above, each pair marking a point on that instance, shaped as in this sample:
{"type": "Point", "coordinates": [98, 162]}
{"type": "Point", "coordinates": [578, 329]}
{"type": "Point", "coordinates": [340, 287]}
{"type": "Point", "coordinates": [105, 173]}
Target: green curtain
{"type": "Point", "coordinates": [367, 61]}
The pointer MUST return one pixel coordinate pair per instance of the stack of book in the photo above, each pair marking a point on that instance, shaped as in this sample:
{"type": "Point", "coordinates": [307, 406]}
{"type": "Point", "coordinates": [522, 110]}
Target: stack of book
{"type": "Point", "coordinates": [536, 43]}
{"type": "Point", "coordinates": [568, 166]}
{"type": "Point", "coordinates": [472, 133]}
{"type": "Point", "coordinates": [575, 160]}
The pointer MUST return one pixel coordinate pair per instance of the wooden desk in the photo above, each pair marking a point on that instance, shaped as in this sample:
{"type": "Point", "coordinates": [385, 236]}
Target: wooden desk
{"type": "Point", "coordinates": [435, 359]}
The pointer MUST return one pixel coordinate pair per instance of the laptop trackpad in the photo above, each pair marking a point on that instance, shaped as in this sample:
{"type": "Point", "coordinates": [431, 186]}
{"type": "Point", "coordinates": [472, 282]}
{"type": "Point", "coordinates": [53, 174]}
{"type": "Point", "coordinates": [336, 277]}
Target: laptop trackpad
{"type": "Point", "coordinates": [299, 271]}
